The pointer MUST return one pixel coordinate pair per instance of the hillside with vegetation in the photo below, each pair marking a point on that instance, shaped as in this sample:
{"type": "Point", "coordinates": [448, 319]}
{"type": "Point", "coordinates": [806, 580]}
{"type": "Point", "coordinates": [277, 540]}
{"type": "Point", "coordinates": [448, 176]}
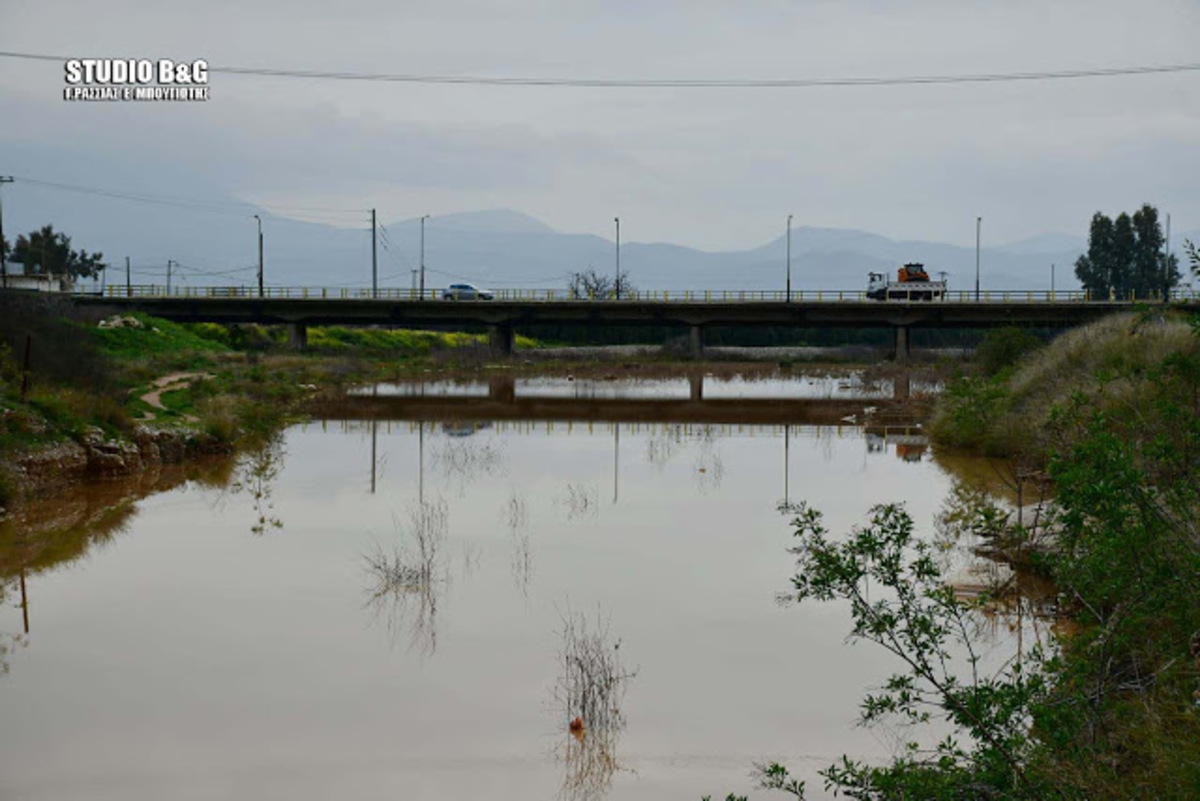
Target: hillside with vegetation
{"type": "Point", "coordinates": [1105, 420]}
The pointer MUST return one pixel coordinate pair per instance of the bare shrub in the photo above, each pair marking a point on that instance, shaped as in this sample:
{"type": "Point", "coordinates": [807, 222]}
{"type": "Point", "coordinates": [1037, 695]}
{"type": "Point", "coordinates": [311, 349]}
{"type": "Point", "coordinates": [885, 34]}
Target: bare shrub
{"type": "Point", "coordinates": [406, 579]}
{"type": "Point", "coordinates": [591, 679]}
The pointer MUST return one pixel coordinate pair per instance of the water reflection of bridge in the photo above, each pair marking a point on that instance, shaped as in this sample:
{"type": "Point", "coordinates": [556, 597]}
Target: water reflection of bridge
{"type": "Point", "coordinates": [499, 400]}
{"type": "Point", "coordinates": [907, 433]}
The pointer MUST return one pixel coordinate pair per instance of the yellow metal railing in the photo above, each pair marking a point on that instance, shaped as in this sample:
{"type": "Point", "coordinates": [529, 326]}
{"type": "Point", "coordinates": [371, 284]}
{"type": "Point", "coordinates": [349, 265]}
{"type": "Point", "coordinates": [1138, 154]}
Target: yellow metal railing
{"type": "Point", "coordinates": [633, 296]}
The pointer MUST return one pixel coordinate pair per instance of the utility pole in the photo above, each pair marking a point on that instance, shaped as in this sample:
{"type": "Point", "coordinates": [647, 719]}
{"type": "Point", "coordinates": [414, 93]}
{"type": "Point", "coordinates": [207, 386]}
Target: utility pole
{"type": "Point", "coordinates": [260, 256]}
{"type": "Point", "coordinates": [617, 285]}
{"type": "Point", "coordinates": [414, 280]}
{"type": "Point", "coordinates": [978, 226]}
{"type": "Point", "coordinates": [1051, 280]}
{"type": "Point", "coordinates": [169, 263]}
{"type": "Point", "coordinates": [128, 282]}
{"type": "Point", "coordinates": [1166, 270]}
{"type": "Point", "coordinates": [374, 262]}
{"type": "Point", "coordinates": [789, 259]}
{"type": "Point", "coordinates": [423, 219]}
{"type": "Point", "coordinates": [4, 179]}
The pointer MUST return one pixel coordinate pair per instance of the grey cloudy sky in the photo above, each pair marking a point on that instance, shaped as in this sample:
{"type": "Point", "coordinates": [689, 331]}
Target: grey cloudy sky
{"type": "Point", "coordinates": [713, 168]}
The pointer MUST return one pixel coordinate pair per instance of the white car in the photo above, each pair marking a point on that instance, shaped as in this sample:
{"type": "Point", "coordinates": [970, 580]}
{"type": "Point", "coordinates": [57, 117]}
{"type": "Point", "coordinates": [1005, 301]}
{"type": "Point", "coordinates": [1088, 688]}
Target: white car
{"type": "Point", "coordinates": [467, 292]}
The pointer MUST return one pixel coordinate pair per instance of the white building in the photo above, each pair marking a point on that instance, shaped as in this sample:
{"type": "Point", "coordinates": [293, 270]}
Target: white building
{"type": "Point", "coordinates": [40, 283]}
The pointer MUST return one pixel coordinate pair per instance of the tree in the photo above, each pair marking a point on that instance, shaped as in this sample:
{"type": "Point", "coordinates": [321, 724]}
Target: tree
{"type": "Point", "coordinates": [48, 252]}
{"type": "Point", "coordinates": [591, 284]}
{"type": "Point", "coordinates": [1193, 254]}
{"type": "Point", "coordinates": [1127, 257]}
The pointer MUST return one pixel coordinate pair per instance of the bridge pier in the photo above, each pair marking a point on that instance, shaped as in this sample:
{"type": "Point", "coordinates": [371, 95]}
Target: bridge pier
{"type": "Point", "coordinates": [502, 338]}
{"type": "Point", "coordinates": [297, 336]}
{"type": "Point", "coordinates": [696, 342]}
{"type": "Point", "coordinates": [502, 388]}
{"type": "Point", "coordinates": [696, 386]}
{"type": "Point", "coordinates": [900, 354]}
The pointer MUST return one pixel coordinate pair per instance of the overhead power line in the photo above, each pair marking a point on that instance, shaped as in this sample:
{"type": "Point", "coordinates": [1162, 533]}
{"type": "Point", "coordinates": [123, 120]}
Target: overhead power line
{"type": "Point", "coordinates": [679, 83]}
{"type": "Point", "coordinates": [232, 207]}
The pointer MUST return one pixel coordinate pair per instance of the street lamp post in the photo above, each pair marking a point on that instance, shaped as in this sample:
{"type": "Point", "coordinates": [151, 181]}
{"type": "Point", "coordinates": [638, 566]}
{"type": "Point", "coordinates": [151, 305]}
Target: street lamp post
{"type": "Point", "coordinates": [423, 219]}
{"type": "Point", "coordinates": [4, 179]}
{"type": "Point", "coordinates": [789, 259]}
{"type": "Point", "coordinates": [978, 226]}
{"type": "Point", "coordinates": [617, 285]}
{"type": "Point", "coordinates": [260, 256]}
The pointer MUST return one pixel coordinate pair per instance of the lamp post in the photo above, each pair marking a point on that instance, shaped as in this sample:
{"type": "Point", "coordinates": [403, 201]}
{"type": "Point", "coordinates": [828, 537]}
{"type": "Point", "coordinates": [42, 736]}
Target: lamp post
{"type": "Point", "coordinates": [423, 219]}
{"type": "Point", "coordinates": [789, 259]}
{"type": "Point", "coordinates": [978, 225]}
{"type": "Point", "coordinates": [617, 285]}
{"type": "Point", "coordinates": [4, 179]}
{"type": "Point", "coordinates": [260, 256]}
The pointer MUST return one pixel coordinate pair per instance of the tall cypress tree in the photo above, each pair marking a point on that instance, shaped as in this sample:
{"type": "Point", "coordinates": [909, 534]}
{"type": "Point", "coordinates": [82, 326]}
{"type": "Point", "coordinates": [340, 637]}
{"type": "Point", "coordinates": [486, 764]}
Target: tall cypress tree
{"type": "Point", "coordinates": [1127, 257]}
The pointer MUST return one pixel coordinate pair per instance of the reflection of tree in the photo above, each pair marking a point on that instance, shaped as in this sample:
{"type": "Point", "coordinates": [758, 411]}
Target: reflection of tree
{"type": "Point", "coordinates": [709, 467]}
{"type": "Point", "coordinates": [976, 536]}
{"type": "Point", "coordinates": [590, 761]}
{"type": "Point", "coordinates": [463, 460]}
{"type": "Point", "coordinates": [516, 518]}
{"type": "Point", "coordinates": [9, 641]}
{"type": "Point", "coordinates": [587, 695]}
{"type": "Point", "coordinates": [255, 474]}
{"type": "Point", "coordinates": [660, 449]}
{"type": "Point", "coordinates": [407, 579]}
{"type": "Point", "coordinates": [580, 501]}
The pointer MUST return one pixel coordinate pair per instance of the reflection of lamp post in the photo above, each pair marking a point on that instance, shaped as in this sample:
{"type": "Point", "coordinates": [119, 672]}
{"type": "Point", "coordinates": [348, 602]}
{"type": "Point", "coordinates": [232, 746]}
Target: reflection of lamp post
{"type": "Point", "coordinates": [374, 436]}
{"type": "Point", "coordinates": [616, 457]}
{"type": "Point", "coordinates": [786, 506]}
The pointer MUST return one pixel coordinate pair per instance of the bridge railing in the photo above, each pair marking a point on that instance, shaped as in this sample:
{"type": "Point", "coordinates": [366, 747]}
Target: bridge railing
{"type": "Point", "coordinates": [144, 291]}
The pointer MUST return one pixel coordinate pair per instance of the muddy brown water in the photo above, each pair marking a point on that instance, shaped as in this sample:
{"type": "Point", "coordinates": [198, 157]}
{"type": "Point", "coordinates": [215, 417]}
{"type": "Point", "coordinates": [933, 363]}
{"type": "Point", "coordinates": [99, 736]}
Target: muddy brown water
{"type": "Point", "coordinates": [221, 633]}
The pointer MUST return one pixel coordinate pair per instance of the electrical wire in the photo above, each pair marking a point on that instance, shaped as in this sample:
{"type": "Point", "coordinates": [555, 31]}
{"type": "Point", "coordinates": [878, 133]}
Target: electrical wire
{"type": "Point", "coordinates": [678, 83]}
{"type": "Point", "coordinates": [232, 207]}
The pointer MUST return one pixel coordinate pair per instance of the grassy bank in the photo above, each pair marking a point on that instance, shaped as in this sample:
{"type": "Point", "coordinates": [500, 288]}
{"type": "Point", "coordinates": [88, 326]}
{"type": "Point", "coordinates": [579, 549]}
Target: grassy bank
{"type": "Point", "coordinates": [1108, 417]}
{"type": "Point", "coordinates": [222, 386]}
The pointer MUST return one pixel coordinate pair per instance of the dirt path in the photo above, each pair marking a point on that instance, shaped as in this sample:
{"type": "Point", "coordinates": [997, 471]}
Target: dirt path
{"type": "Point", "coordinates": [170, 383]}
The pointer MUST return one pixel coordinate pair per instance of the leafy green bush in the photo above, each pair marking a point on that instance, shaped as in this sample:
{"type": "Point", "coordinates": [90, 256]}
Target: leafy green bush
{"type": "Point", "coordinates": [1001, 348]}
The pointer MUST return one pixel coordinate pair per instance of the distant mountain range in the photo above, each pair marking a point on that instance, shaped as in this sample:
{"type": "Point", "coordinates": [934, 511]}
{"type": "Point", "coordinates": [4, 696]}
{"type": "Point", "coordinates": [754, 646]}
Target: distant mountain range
{"type": "Point", "coordinates": [216, 244]}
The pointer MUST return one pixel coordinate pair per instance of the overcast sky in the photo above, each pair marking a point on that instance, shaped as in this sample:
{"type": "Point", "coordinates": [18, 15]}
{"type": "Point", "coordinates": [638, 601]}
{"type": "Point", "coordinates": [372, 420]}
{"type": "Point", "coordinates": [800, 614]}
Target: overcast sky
{"type": "Point", "coordinates": [710, 168]}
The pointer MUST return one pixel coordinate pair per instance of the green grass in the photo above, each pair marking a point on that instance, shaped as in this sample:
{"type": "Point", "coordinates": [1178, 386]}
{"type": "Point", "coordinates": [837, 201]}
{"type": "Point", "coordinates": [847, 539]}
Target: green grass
{"type": "Point", "coordinates": [157, 337]}
{"type": "Point", "coordinates": [1109, 366]}
{"type": "Point", "coordinates": [417, 343]}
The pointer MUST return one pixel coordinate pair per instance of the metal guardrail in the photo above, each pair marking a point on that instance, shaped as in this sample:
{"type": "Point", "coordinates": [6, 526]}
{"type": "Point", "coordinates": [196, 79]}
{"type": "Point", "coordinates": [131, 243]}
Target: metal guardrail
{"type": "Point", "coordinates": [654, 296]}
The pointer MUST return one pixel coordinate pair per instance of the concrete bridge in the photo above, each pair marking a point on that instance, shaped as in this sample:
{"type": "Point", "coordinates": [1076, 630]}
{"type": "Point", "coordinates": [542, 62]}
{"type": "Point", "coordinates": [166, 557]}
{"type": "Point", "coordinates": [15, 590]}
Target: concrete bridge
{"type": "Point", "coordinates": [298, 308]}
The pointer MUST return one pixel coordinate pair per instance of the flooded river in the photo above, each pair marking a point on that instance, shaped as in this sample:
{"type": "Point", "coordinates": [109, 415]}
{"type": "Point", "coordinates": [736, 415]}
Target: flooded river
{"type": "Point", "coordinates": [376, 604]}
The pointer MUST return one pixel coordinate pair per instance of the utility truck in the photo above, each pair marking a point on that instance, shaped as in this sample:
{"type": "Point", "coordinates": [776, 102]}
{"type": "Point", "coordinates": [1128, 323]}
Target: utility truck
{"type": "Point", "coordinates": [912, 283]}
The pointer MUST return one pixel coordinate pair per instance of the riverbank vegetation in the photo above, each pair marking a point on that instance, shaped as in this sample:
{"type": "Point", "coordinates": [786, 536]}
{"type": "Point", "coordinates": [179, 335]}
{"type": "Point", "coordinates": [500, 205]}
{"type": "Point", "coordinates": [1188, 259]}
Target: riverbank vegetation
{"type": "Point", "coordinates": [68, 377]}
{"type": "Point", "coordinates": [1108, 416]}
